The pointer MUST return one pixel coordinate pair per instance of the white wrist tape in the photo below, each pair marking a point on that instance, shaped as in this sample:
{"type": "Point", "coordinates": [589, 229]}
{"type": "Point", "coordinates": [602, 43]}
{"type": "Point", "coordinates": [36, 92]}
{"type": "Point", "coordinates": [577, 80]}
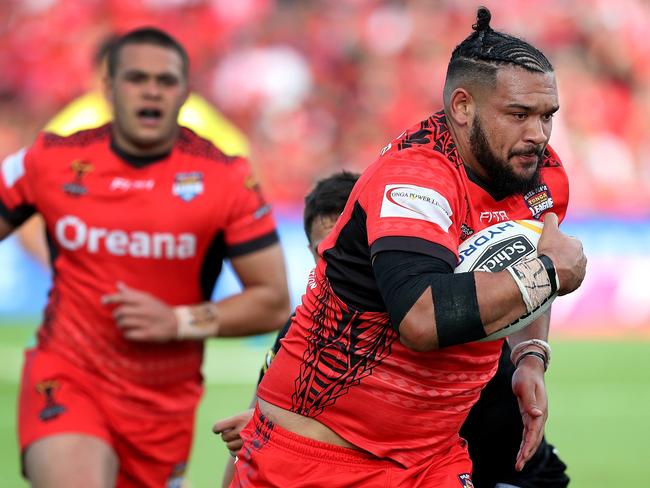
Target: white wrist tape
{"type": "Point", "coordinates": [533, 282]}
{"type": "Point", "coordinates": [196, 321]}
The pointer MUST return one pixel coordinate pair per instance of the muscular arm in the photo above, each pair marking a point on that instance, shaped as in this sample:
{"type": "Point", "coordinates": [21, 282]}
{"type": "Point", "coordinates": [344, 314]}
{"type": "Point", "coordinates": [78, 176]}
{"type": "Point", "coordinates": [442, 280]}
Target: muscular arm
{"type": "Point", "coordinates": [32, 237]}
{"type": "Point", "coordinates": [263, 305]}
{"type": "Point", "coordinates": [499, 301]}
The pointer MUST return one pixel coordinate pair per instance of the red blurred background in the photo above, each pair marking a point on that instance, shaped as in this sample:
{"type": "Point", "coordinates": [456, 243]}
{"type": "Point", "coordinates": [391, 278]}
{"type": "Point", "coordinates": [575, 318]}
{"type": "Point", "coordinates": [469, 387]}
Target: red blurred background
{"type": "Point", "coordinates": [320, 85]}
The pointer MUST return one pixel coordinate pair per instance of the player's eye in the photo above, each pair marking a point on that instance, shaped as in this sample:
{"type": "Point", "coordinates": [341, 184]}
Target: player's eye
{"type": "Point", "coordinates": [168, 80]}
{"type": "Point", "coordinates": [135, 77]}
{"type": "Point", "coordinates": [520, 116]}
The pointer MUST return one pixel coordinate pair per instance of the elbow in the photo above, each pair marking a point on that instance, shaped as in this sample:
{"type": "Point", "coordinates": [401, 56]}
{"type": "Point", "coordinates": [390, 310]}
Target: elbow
{"type": "Point", "coordinates": [280, 310]}
{"type": "Point", "coordinates": [418, 335]}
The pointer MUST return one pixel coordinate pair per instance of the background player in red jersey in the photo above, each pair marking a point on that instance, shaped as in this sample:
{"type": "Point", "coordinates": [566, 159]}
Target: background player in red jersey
{"type": "Point", "coordinates": [379, 368]}
{"type": "Point", "coordinates": [141, 213]}
{"type": "Point", "coordinates": [92, 110]}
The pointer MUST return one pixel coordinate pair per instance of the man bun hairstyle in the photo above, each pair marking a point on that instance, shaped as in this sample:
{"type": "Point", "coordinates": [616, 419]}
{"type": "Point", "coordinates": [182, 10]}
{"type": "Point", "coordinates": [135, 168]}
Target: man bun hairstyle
{"type": "Point", "coordinates": [485, 50]}
{"type": "Point", "coordinates": [145, 35]}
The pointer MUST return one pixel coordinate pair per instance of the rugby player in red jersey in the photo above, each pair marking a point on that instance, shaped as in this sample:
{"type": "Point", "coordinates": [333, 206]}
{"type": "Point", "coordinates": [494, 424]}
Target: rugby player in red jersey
{"type": "Point", "coordinates": [380, 366]}
{"type": "Point", "coordinates": [140, 214]}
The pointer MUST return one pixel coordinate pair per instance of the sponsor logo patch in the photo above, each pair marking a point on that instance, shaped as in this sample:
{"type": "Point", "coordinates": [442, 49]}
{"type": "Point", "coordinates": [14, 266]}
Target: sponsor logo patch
{"type": "Point", "coordinates": [494, 216]}
{"type": "Point", "coordinates": [539, 200]}
{"type": "Point", "coordinates": [416, 202]}
{"type": "Point", "coordinates": [80, 169]}
{"type": "Point", "coordinates": [251, 184]}
{"type": "Point", "coordinates": [187, 186]}
{"type": "Point", "coordinates": [465, 231]}
{"type": "Point", "coordinates": [503, 254]}
{"type": "Point", "coordinates": [125, 184]}
{"type": "Point", "coordinates": [51, 409]}
{"type": "Point", "coordinates": [465, 480]}
{"type": "Point", "coordinates": [74, 234]}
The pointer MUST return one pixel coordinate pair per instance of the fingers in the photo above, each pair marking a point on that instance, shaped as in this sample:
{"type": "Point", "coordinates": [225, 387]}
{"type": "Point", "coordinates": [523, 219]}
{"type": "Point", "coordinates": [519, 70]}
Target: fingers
{"type": "Point", "coordinates": [550, 219]}
{"type": "Point", "coordinates": [531, 439]}
{"type": "Point", "coordinates": [235, 446]}
{"type": "Point", "coordinates": [124, 295]}
{"type": "Point", "coordinates": [235, 422]}
{"type": "Point", "coordinates": [528, 404]}
{"type": "Point", "coordinates": [224, 424]}
{"type": "Point", "coordinates": [231, 435]}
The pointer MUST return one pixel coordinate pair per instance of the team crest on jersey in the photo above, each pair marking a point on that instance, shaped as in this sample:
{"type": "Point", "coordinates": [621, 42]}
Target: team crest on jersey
{"type": "Point", "coordinates": [539, 200]}
{"type": "Point", "coordinates": [188, 186]}
{"type": "Point", "coordinates": [52, 409]}
{"type": "Point", "coordinates": [465, 480]}
{"type": "Point", "coordinates": [80, 169]}
{"type": "Point", "coordinates": [251, 184]}
{"type": "Point", "coordinates": [465, 231]}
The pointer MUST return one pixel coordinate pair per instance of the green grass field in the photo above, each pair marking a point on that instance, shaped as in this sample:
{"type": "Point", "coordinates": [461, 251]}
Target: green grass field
{"type": "Point", "coordinates": [599, 407]}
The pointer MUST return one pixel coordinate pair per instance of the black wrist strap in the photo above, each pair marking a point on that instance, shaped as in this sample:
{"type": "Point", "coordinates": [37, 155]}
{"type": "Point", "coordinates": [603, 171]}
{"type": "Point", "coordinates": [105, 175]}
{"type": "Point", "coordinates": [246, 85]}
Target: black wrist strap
{"type": "Point", "coordinates": [550, 270]}
{"type": "Point", "coordinates": [532, 353]}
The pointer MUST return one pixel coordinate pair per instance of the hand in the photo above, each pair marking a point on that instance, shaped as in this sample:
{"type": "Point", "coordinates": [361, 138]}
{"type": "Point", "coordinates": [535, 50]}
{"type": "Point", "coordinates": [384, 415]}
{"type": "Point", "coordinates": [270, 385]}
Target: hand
{"type": "Point", "coordinates": [566, 253]}
{"type": "Point", "coordinates": [231, 427]}
{"type": "Point", "coordinates": [528, 386]}
{"type": "Point", "coordinates": [142, 316]}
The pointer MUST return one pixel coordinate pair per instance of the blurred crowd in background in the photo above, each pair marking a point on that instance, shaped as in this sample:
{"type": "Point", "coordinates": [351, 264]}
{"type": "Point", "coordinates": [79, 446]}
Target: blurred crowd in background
{"type": "Point", "coordinates": [320, 85]}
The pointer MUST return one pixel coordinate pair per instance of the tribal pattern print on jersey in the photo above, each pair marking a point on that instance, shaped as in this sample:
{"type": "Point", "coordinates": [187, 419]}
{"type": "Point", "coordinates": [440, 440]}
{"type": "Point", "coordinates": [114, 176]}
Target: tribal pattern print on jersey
{"type": "Point", "coordinates": [342, 349]}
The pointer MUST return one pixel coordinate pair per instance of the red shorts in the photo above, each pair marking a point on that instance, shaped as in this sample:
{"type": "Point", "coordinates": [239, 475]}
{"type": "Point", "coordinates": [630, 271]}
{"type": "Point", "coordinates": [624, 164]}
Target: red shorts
{"type": "Point", "coordinates": [273, 456]}
{"type": "Point", "coordinates": [57, 398]}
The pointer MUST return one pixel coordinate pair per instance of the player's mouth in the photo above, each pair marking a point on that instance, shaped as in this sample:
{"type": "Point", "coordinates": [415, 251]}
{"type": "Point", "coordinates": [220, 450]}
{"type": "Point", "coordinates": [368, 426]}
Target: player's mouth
{"type": "Point", "coordinates": [150, 117]}
{"type": "Point", "coordinates": [528, 159]}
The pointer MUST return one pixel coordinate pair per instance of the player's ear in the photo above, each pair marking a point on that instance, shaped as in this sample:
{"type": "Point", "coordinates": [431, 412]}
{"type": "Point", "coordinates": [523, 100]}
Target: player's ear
{"type": "Point", "coordinates": [186, 94]}
{"type": "Point", "coordinates": [107, 87]}
{"type": "Point", "coordinates": [462, 106]}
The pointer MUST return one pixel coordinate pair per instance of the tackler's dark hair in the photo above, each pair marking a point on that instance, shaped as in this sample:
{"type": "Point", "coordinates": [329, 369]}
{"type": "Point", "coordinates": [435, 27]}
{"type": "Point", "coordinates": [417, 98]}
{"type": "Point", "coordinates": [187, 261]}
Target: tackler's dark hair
{"type": "Point", "coordinates": [328, 197]}
{"type": "Point", "coordinates": [145, 35]}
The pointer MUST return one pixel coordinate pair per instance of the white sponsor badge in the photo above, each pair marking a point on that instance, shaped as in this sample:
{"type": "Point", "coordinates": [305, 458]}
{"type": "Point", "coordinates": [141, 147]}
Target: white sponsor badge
{"type": "Point", "coordinates": [416, 202]}
{"type": "Point", "coordinates": [13, 167]}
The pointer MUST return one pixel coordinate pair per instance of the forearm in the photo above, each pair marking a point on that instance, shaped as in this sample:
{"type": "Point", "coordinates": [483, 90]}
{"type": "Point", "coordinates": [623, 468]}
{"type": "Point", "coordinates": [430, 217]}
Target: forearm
{"type": "Point", "coordinates": [536, 330]}
{"type": "Point", "coordinates": [256, 310]}
{"type": "Point", "coordinates": [499, 300]}
{"type": "Point", "coordinates": [489, 302]}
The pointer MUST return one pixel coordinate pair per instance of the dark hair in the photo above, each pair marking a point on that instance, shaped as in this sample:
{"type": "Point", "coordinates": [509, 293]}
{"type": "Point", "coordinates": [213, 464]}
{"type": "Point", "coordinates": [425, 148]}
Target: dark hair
{"type": "Point", "coordinates": [328, 197]}
{"type": "Point", "coordinates": [103, 48]}
{"type": "Point", "coordinates": [485, 50]}
{"type": "Point", "coordinates": [145, 35]}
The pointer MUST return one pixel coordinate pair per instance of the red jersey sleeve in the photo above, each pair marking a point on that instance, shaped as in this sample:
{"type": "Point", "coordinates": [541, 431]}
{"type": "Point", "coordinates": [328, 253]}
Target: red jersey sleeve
{"type": "Point", "coordinates": [414, 205]}
{"type": "Point", "coordinates": [17, 198]}
{"type": "Point", "coordinates": [250, 225]}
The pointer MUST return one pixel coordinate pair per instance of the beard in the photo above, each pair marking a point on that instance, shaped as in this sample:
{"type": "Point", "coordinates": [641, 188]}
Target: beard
{"type": "Point", "coordinates": [501, 177]}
